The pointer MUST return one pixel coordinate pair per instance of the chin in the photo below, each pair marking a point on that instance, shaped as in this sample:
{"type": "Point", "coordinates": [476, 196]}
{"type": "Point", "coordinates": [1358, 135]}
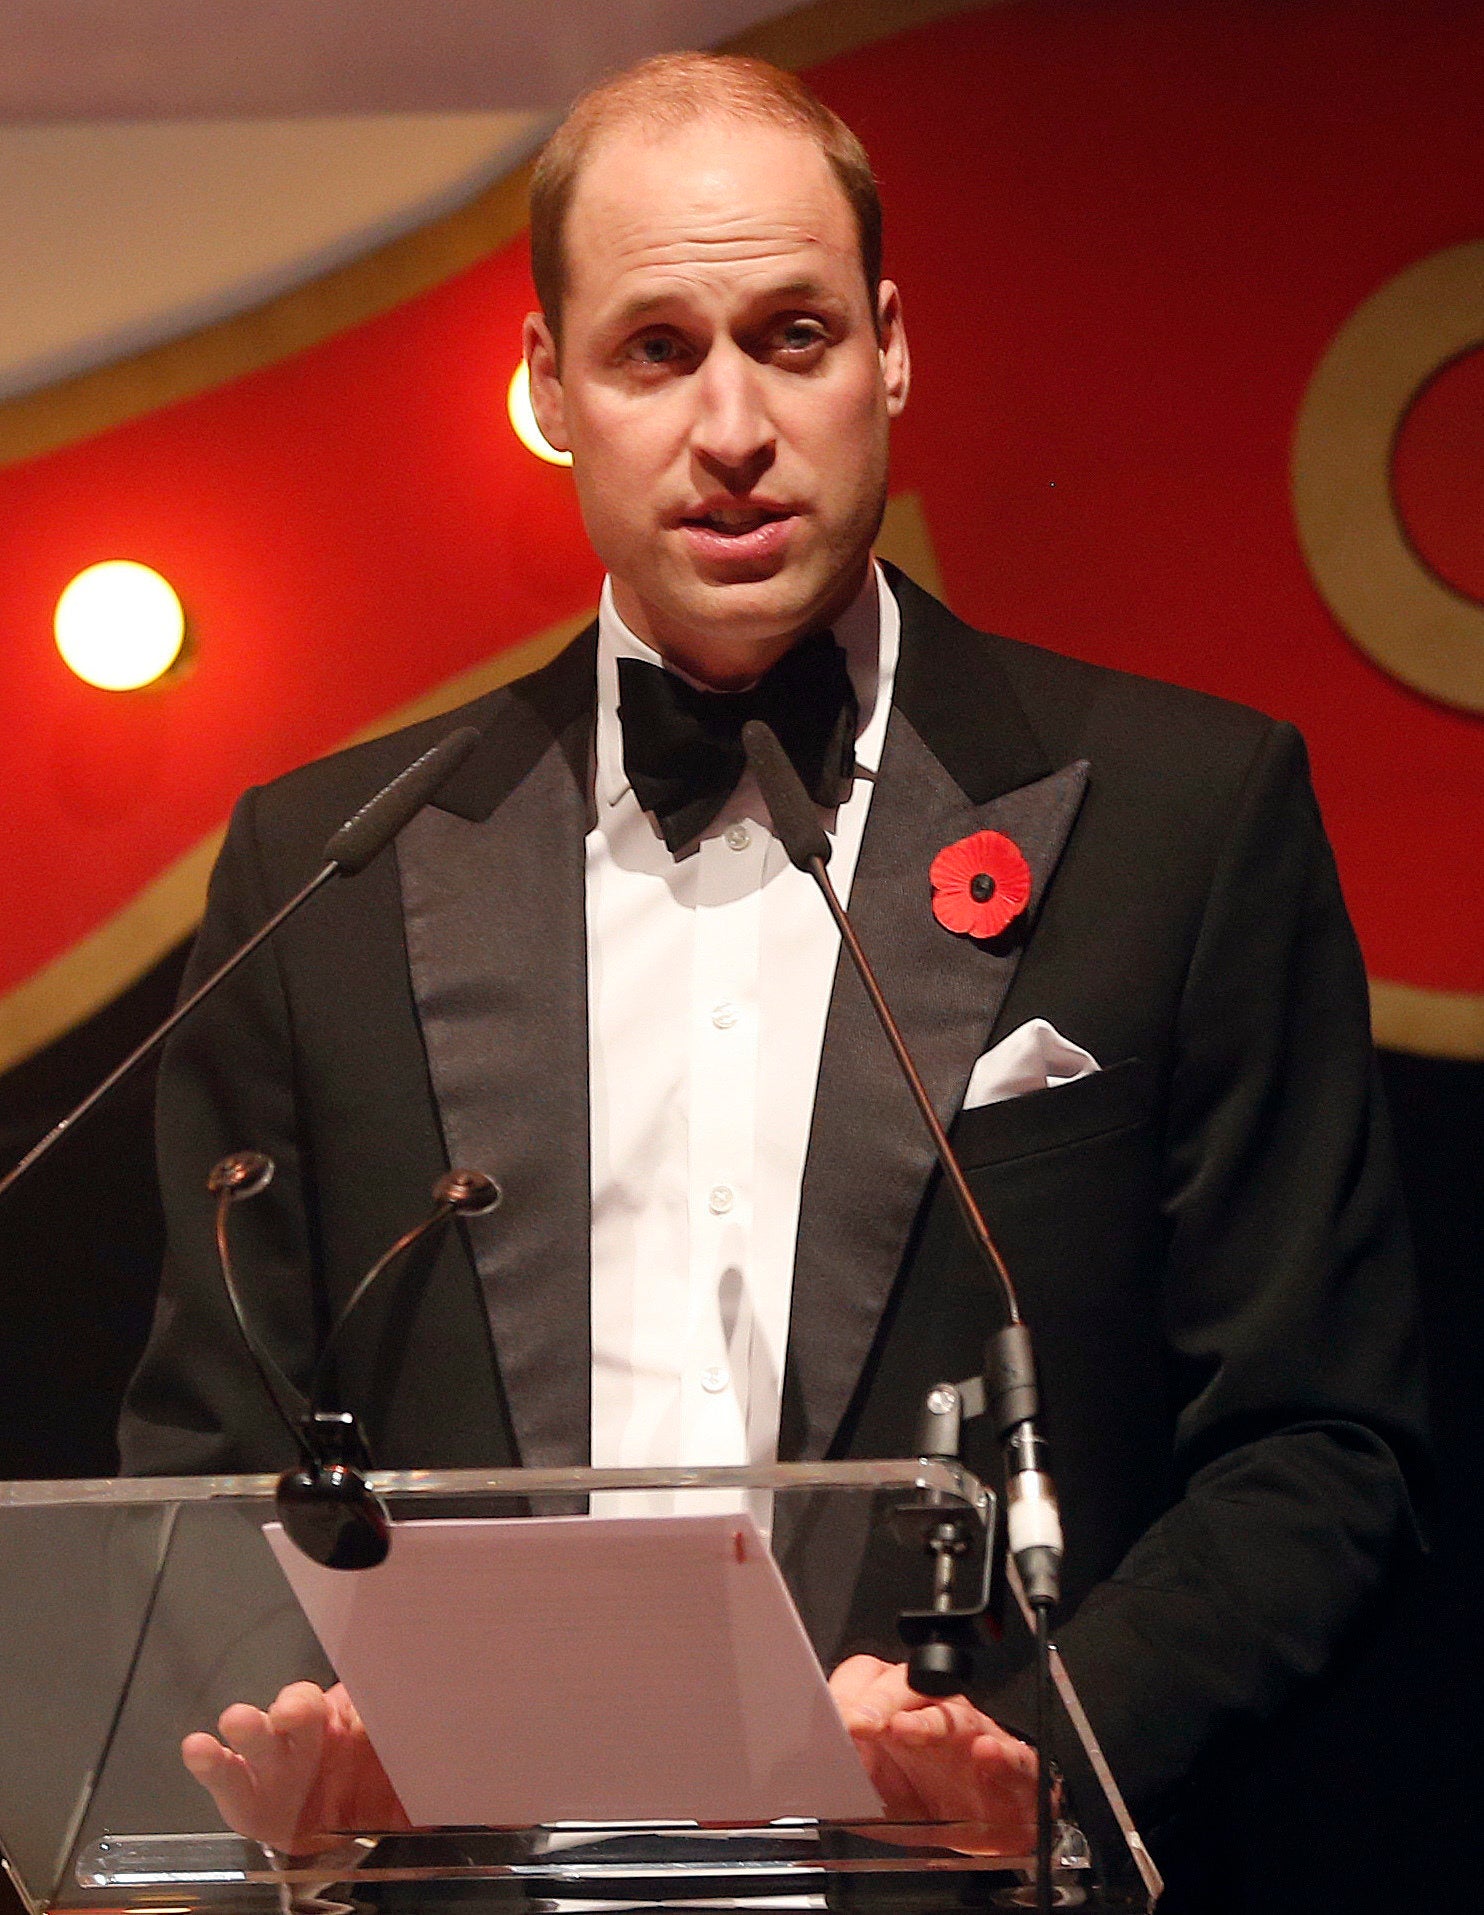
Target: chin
{"type": "Point", "coordinates": [756, 611]}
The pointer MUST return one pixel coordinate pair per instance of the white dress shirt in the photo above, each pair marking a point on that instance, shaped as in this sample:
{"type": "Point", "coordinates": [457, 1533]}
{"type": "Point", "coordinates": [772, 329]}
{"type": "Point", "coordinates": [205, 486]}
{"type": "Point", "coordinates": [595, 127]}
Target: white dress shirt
{"type": "Point", "coordinates": [709, 978]}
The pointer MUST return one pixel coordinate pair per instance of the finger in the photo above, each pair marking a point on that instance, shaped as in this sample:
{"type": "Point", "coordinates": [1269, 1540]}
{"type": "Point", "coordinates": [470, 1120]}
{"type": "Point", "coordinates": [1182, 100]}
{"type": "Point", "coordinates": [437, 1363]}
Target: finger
{"type": "Point", "coordinates": [919, 1728]}
{"type": "Point", "coordinates": [940, 1778]}
{"type": "Point", "coordinates": [850, 1683]}
{"type": "Point", "coordinates": [300, 1712]}
{"type": "Point", "coordinates": [888, 1693]}
{"type": "Point", "coordinates": [1005, 1757]}
{"type": "Point", "coordinates": [898, 1795]}
{"type": "Point", "coordinates": [941, 1767]}
{"type": "Point", "coordinates": [946, 1718]}
{"type": "Point", "coordinates": [246, 1731]}
{"type": "Point", "coordinates": [297, 1723]}
{"type": "Point", "coordinates": [873, 1695]}
{"type": "Point", "coordinates": [341, 1711]}
{"type": "Point", "coordinates": [349, 1772]}
{"type": "Point", "coordinates": [962, 1765]}
{"type": "Point", "coordinates": [365, 1798]}
{"type": "Point", "coordinates": [263, 1785]}
{"type": "Point", "coordinates": [205, 1757]}
{"type": "Point", "coordinates": [227, 1779]}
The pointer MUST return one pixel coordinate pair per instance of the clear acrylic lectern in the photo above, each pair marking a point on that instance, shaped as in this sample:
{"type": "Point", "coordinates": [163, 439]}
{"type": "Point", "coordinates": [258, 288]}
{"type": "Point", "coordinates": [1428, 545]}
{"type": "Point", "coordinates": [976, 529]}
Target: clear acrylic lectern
{"type": "Point", "coordinates": [133, 1612]}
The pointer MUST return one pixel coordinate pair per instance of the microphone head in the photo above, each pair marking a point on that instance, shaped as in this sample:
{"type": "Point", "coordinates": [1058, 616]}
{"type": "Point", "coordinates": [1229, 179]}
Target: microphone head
{"type": "Point", "coordinates": [243, 1174]}
{"type": "Point", "coordinates": [326, 1506]}
{"type": "Point", "coordinates": [468, 1193]}
{"type": "Point", "coordinates": [379, 820]}
{"type": "Point", "coordinates": [333, 1516]}
{"type": "Point", "coordinates": [792, 810]}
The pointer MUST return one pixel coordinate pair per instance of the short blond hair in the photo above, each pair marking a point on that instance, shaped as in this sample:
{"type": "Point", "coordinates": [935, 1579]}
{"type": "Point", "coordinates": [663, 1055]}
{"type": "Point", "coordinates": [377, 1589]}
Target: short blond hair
{"type": "Point", "coordinates": [669, 91]}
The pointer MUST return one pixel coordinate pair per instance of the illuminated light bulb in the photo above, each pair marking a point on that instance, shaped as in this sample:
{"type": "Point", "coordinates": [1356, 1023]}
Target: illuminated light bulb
{"type": "Point", "coordinates": [119, 625]}
{"type": "Point", "coordinates": [518, 403]}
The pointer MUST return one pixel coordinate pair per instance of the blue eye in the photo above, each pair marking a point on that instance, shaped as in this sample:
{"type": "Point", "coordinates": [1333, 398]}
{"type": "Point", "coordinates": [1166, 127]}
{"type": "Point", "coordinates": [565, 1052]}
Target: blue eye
{"type": "Point", "coordinates": [800, 335]}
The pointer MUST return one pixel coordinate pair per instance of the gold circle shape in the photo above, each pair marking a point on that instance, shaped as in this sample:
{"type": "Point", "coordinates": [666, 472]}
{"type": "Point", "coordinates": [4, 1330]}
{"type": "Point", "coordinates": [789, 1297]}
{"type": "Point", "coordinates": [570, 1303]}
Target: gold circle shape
{"type": "Point", "coordinates": [1396, 609]}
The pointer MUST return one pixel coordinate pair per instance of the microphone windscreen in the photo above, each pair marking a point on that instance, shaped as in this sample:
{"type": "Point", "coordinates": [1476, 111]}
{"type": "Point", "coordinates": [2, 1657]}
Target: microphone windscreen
{"type": "Point", "coordinates": [379, 820]}
{"type": "Point", "coordinates": [792, 810]}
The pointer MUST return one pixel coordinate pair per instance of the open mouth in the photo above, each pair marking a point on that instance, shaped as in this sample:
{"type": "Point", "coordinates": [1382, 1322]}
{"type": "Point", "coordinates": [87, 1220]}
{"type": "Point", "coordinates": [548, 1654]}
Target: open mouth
{"type": "Point", "coordinates": [733, 540]}
{"type": "Point", "coordinates": [738, 522]}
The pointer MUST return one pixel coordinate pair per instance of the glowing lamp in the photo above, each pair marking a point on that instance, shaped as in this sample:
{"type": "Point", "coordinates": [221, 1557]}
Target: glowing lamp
{"type": "Point", "coordinates": [518, 404]}
{"type": "Point", "coordinates": [119, 625]}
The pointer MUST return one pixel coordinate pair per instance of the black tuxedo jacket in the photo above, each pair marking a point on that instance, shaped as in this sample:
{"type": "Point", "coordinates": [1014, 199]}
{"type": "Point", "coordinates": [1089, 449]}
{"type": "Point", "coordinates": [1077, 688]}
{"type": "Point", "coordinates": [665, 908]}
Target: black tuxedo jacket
{"type": "Point", "coordinates": [1204, 1234]}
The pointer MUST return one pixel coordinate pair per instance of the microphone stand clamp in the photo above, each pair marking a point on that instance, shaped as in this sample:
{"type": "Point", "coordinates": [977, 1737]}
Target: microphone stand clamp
{"type": "Point", "coordinates": [942, 1638]}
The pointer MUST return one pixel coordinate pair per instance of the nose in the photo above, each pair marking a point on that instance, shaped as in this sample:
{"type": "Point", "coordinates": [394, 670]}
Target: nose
{"type": "Point", "coordinates": [732, 436]}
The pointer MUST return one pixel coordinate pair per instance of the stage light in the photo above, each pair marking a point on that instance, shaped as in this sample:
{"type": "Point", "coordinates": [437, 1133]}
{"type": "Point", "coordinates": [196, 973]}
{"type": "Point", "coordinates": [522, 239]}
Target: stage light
{"type": "Point", "coordinates": [119, 625]}
{"type": "Point", "coordinates": [518, 403]}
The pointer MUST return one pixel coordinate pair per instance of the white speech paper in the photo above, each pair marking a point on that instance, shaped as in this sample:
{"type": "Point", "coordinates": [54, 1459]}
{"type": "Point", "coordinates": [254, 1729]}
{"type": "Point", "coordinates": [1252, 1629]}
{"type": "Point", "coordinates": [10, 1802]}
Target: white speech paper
{"type": "Point", "coordinates": [584, 1668]}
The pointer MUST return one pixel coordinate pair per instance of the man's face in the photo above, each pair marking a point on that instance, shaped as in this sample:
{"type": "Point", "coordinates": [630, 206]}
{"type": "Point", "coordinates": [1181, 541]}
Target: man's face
{"type": "Point", "coordinates": [724, 386]}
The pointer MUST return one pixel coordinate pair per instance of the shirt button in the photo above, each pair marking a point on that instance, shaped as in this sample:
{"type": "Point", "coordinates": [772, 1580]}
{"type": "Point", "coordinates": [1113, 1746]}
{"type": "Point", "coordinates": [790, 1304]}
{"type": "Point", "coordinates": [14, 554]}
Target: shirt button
{"type": "Point", "coordinates": [714, 1379]}
{"type": "Point", "coordinates": [724, 1016]}
{"type": "Point", "coordinates": [738, 837]}
{"type": "Point", "coordinates": [720, 1200]}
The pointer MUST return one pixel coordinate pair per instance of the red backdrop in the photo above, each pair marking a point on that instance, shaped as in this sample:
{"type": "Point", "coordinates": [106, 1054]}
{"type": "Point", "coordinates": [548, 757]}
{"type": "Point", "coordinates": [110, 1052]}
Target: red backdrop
{"type": "Point", "coordinates": [1125, 230]}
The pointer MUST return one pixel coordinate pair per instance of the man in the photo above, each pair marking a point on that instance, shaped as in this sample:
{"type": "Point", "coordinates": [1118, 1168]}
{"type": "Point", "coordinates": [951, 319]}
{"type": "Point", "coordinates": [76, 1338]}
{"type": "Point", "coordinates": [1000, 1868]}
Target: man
{"type": "Point", "coordinates": [589, 970]}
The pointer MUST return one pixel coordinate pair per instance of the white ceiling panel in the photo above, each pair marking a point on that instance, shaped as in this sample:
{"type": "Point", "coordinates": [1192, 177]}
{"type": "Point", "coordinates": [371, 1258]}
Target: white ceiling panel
{"type": "Point", "coordinates": [149, 59]}
{"type": "Point", "coordinates": [113, 238]}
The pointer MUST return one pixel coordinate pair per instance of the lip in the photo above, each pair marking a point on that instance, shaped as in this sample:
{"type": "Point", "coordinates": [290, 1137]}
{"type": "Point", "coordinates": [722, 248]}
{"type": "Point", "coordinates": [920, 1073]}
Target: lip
{"type": "Point", "coordinates": [762, 545]}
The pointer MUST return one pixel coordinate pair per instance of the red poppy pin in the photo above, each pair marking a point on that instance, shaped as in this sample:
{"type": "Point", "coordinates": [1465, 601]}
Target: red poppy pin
{"type": "Point", "coordinates": [980, 884]}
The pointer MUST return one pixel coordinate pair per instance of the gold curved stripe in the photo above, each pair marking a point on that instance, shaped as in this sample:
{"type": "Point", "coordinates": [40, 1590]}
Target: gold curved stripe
{"type": "Point", "coordinates": [77, 408]}
{"type": "Point", "coordinates": [1405, 1017]}
{"type": "Point", "coordinates": [109, 959]}
{"type": "Point", "coordinates": [906, 539]}
{"type": "Point", "coordinates": [1397, 610]}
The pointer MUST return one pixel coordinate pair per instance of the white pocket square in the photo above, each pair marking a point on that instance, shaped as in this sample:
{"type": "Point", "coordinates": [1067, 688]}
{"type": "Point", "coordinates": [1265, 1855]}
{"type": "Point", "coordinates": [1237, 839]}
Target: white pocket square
{"type": "Point", "coordinates": [1035, 1057]}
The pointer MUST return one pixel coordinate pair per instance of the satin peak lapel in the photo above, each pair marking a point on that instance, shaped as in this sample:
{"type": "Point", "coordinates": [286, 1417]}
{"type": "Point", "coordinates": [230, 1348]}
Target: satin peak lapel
{"type": "Point", "coordinates": [869, 1154]}
{"type": "Point", "coordinates": [492, 892]}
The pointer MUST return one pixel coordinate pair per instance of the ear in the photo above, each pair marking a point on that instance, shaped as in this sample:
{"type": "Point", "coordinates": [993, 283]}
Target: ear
{"type": "Point", "coordinates": [547, 401]}
{"type": "Point", "coordinates": [896, 363]}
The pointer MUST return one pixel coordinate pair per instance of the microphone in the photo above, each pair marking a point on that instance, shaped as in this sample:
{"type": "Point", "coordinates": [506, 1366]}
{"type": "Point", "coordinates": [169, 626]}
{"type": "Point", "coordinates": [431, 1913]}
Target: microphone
{"type": "Point", "coordinates": [941, 1660]}
{"type": "Point", "coordinates": [1031, 1514]}
{"type": "Point", "coordinates": [379, 820]}
{"type": "Point", "coordinates": [328, 1509]}
{"type": "Point", "coordinates": [349, 850]}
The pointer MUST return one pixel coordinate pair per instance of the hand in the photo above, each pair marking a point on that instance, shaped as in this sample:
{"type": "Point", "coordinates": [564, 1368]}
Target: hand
{"type": "Point", "coordinates": [939, 1760]}
{"type": "Point", "coordinates": [297, 1776]}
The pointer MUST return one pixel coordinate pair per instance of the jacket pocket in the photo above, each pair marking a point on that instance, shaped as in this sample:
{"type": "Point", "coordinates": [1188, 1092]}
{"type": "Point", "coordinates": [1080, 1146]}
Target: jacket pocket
{"type": "Point", "coordinates": [1118, 1098]}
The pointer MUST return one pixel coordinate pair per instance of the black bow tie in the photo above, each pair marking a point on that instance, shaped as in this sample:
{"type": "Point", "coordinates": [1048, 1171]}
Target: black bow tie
{"type": "Point", "coordinates": [682, 748]}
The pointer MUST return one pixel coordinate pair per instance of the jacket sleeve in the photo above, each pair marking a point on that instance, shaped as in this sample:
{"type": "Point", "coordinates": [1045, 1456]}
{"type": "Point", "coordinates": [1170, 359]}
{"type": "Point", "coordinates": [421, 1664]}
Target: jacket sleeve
{"type": "Point", "coordinates": [1289, 1321]}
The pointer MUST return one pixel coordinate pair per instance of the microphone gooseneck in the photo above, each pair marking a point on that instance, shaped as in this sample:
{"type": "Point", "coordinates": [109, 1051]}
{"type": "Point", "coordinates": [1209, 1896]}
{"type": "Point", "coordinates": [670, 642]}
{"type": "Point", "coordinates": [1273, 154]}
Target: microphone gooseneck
{"type": "Point", "coordinates": [325, 1504]}
{"type": "Point", "coordinates": [458, 1193]}
{"type": "Point", "coordinates": [1009, 1366]}
{"type": "Point", "coordinates": [942, 1657]}
{"type": "Point", "coordinates": [235, 1180]}
{"type": "Point", "coordinates": [804, 838]}
{"type": "Point", "coordinates": [349, 850]}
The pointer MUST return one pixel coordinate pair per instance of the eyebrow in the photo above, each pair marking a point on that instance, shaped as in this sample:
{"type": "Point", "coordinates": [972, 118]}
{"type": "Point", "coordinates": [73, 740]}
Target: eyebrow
{"type": "Point", "coordinates": [805, 287]}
